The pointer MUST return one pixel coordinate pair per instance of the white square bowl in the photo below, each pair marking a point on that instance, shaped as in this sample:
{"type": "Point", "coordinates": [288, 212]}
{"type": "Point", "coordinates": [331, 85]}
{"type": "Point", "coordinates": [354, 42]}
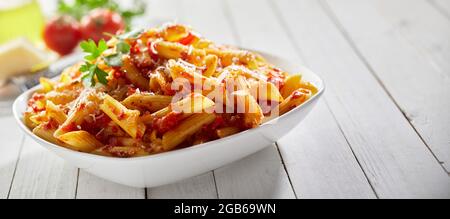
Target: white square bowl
{"type": "Point", "coordinates": [168, 167]}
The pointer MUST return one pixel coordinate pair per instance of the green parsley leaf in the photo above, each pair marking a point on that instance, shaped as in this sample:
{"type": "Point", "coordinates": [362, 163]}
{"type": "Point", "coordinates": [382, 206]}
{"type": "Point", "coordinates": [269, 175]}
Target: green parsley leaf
{"type": "Point", "coordinates": [114, 60]}
{"type": "Point", "coordinates": [91, 72]}
{"type": "Point", "coordinates": [123, 47]}
{"type": "Point", "coordinates": [93, 50]}
{"type": "Point", "coordinates": [101, 76]}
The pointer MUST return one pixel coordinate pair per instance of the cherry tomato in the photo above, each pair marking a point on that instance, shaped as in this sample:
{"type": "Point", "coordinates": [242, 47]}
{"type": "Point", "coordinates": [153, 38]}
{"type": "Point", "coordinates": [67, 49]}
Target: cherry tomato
{"type": "Point", "coordinates": [100, 21]}
{"type": "Point", "coordinates": [62, 34]}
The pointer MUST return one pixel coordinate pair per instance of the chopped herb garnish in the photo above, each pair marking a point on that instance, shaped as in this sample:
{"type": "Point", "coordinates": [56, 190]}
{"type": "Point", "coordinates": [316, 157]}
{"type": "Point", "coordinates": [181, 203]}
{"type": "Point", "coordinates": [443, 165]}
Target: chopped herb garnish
{"type": "Point", "coordinates": [115, 60]}
{"type": "Point", "coordinates": [91, 72]}
{"type": "Point", "coordinates": [93, 50]}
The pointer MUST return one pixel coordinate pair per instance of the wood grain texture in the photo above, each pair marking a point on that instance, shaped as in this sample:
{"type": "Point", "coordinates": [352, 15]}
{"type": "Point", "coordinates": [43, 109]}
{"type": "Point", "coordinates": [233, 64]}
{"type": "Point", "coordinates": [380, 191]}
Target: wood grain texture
{"type": "Point", "coordinates": [199, 187]}
{"type": "Point", "coordinates": [264, 32]}
{"type": "Point", "coordinates": [393, 157]}
{"type": "Point", "coordinates": [41, 174]}
{"type": "Point", "coordinates": [93, 187]}
{"type": "Point", "coordinates": [258, 176]}
{"type": "Point", "coordinates": [319, 161]}
{"type": "Point", "coordinates": [442, 6]}
{"type": "Point", "coordinates": [12, 139]}
{"type": "Point", "coordinates": [409, 50]}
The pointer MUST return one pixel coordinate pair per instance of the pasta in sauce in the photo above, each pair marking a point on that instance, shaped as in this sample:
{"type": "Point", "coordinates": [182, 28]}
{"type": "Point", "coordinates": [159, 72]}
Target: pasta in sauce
{"type": "Point", "coordinates": [173, 89]}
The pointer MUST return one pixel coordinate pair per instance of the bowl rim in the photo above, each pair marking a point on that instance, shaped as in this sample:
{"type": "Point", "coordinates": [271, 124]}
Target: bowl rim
{"type": "Point", "coordinates": [21, 99]}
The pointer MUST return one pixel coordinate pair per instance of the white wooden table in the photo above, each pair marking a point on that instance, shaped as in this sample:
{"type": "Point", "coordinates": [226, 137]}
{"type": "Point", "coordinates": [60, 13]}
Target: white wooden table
{"type": "Point", "coordinates": [382, 129]}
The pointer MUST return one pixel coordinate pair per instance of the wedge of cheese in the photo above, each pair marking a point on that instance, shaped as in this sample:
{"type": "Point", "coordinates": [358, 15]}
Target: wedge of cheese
{"type": "Point", "coordinates": [19, 57]}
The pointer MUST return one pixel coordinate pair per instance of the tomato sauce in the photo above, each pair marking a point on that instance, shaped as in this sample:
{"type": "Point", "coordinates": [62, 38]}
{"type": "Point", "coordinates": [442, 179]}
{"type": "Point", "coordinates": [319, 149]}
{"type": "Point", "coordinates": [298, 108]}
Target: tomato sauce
{"type": "Point", "coordinates": [188, 39]}
{"type": "Point", "coordinates": [276, 77]}
{"type": "Point", "coordinates": [167, 122]}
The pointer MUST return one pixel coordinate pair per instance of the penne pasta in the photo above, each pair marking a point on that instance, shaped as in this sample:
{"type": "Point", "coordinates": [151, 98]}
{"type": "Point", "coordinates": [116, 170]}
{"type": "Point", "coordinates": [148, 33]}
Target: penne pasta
{"type": "Point", "coordinates": [133, 74]}
{"type": "Point", "coordinates": [47, 84]}
{"type": "Point", "coordinates": [127, 151]}
{"type": "Point", "coordinates": [46, 133]}
{"type": "Point", "coordinates": [80, 141]}
{"type": "Point", "coordinates": [85, 105]}
{"type": "Point", "coordinates": [194, 103]}
{"type": "Point", "coordinates": [227, 131]}
{"type": "Point", "coordinates": [149, 102]}
{"type": "Point", "coordinates": [291, 84]}
{"type": "Point", "coordinates": [211, 65]}
{"type": "Point", "coordinates": [187, 128]}
{"type": "Point", "coordinates": [158, 90]}
{"type": "Point", "coordinates": [55, 112]}
{"type": "Point", "coordinates": [296, 98]}
{"type": "Point", "coordinates": [248, 105]}
{"type": "Point", "coordinates": [127, 119]}
{"type": "Point", "coordinates": [267, 91]}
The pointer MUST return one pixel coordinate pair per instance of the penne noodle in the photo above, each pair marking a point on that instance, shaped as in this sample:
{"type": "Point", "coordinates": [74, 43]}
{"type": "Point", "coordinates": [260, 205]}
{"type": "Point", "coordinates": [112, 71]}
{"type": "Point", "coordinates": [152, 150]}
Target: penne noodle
{"type": "Point", "coordinates": [133, 74]}
{"type": "Point", "coordinates": [308, 86]}
{"type": "Point", "coordinates": [46, 133]}
{"type": "Point", "coordinates": [262, 90]}
{"type": "Point", "coordinates": [296, 98]}
{"type": "Point", "coordinates": [127, 119]}
{"type": "Point", "coordinates": [187, 128]}
{"type": "Point", "coordinates": [80, 141]}
{"type": "Point", "coordinates": [127, 151]}
{"type": "Point", "coordinates": [291, 84]}
{"type": "Point", "coordinates": [149, 102]}
{"type": "Point", "coordinates": [171, 50]}
{"type": "Point", "coordinates": [246, 104]}
{"type": "Point", "coordinates": [211, 65]}
{"type": "Point", "coordinates": [228, 57]}
{"type": "Point", "coordinates": [55, 112]}
{"type": "Point", "coordinates": [47, 84]}
{"type": "Point", "coordinates": [227, 131]}
{"type": "Point", "coordinates": [171, 88]}
{"type": "Point", "coordinates": [194, 103]}
{"type": "Point", "coordinates": [85, 105]}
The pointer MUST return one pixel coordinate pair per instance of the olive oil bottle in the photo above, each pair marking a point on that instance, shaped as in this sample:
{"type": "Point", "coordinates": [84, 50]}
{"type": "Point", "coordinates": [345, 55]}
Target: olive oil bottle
{"type": "Point", "coordinates": [20, 18]}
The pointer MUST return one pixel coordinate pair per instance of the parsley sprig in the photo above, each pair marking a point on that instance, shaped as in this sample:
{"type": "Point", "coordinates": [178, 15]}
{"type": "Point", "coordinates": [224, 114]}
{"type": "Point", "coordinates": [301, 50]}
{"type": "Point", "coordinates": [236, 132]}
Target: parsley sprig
{"type": "Point", "coordinates": [122, 48]}
{"type": "Point", "coordinates": [115, 59]}
{"type": "Point", "coordinates": [91, 71]}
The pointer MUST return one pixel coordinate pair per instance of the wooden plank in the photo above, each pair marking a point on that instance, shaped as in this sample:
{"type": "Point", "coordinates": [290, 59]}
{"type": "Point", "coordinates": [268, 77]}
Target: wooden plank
{"type": "Point", "coordinates": [319, 161]}
{"type": "Point", "coordinates": [41, 174]}
{"type": "Point", "coordinates": [443, 6]}
{"type": "Point", "coordinates": [12, 139]}
{"type": "Point", "coordinates": [393, 157]}
{"type": "Point", "coordinates": [199, 187]}
{"type": "Point", "coordinates": [93, 187]}
{"type": "Point", "coordinates": [11, 136]}
{"type": "Point", "coordinates": [258, 176]}
{"type": "Point", "coordinates": [410, 56]}
{"type": "Point", "coordinates": [307, 183]}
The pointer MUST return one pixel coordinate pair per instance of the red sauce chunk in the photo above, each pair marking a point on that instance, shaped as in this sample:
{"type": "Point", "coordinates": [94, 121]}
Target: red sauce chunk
{"type": "Point", "coordinates": [188, 39]}
{"type": "Point", "coordinates": [69, 127]}
{"type": "Point", "coordinates": [167, 122]}
{"type": "Point", "coordinates": [297, 94]}
{"type": "Point", "coordinates": [276, 77]}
